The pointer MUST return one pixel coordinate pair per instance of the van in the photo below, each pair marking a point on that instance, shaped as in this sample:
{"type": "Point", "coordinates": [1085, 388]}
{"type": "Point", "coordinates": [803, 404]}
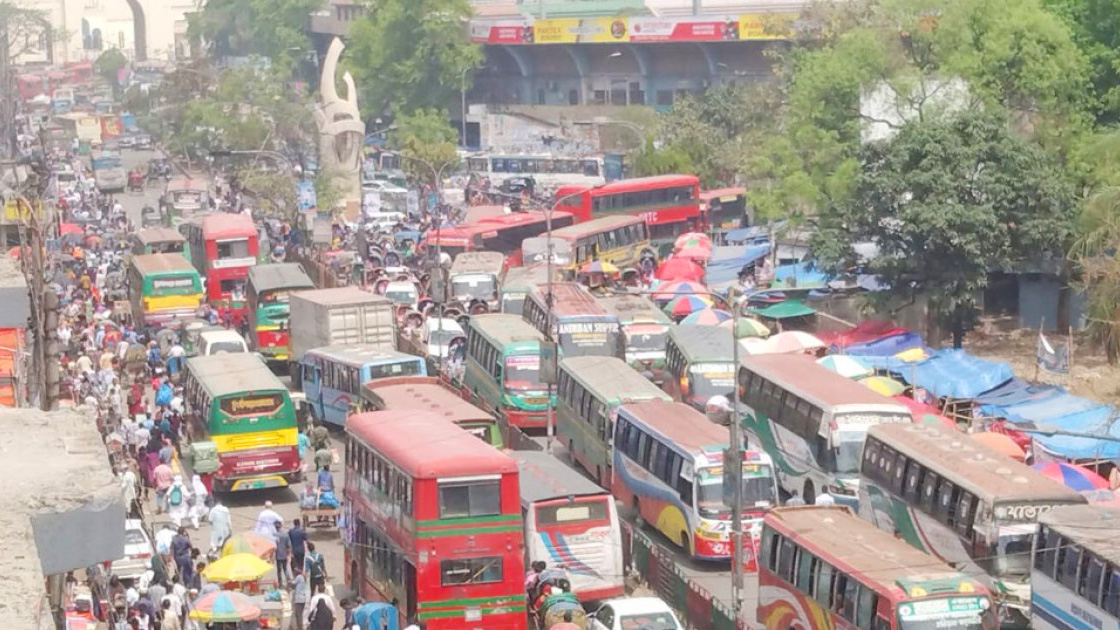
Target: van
{"type": "Point", "coordinates": [221, 341]}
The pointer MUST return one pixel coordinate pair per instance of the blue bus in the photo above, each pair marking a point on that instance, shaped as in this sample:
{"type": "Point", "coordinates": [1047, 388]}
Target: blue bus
{"type": "Point", "coordinates": [332, 376]}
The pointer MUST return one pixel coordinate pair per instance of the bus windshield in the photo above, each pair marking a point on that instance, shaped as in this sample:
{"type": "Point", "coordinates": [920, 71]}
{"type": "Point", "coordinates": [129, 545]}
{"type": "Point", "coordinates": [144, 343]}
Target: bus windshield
{"type": "Point", "coordinates": [523, 372]}
{"type": "Point", "coordinates": [757, 489]}
{"type": "Point", "coordinates": [712, 379]}
{"type": "Point", "coordinates": [474, 285]}
{"type": "Point", "coordinates": [1013, 550]}
{"type": "Point", "coordinates": [645, 337]}
{"type": "Point", "coordinates": [847, 448]}
{"type": "Point", "coordinates": [399, 368]}
{"type": "Point", "coordinates": [106, 162]}
{"type": "Point", "coordinates": [947, 613]}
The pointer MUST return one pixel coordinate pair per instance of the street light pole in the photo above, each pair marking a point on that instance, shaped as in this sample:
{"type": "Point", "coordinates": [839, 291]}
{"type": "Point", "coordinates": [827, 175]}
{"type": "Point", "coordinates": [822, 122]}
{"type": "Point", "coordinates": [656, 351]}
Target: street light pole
{"type": "Point", "coordinates": [463, 105]}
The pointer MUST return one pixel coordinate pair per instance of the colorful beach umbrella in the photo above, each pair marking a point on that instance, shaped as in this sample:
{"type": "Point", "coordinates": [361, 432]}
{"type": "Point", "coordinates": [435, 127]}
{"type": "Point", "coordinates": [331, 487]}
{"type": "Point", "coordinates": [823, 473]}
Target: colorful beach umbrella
{"type": "Point", "coordinates": [238, 567]}
{"type": "Point", "coordinates": [846, 366]}
{"type": "Point", "coordinates": [671, 290]}
{"type": "Point", "coordinates": [693, 239]}
{"type": "Point", "coordinates": [674, 268]}
{"type": "Point", "coordinates": [747, 328]}
{"type": "Point", "coordinates": [793, 341]}
{"type": "Point", "coordinates": [1002, 444]}
{"type": "Point", "coordinates": [1073, 476]}
{"type": "Point", "coordinates": [687, 304]}
{"type": "Point", "coordinates": [224, 607]}
{"type": "Point", "coordinates": [707, 317]}
{"type": "Point", "coordinates": [249, 542]}
{"type": "Point", "coordinates": [883, 385]}
{"type": "Point", "coordinates": [599, 266]}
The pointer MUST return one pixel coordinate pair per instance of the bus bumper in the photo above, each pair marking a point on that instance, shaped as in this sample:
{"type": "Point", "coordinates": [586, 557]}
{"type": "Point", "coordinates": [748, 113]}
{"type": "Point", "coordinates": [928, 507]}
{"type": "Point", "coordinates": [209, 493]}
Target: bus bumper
{"type": "Point", "coordinates": [704, 547]}
{"type": "Point", "coordinates": [165, 315]}
{"type": "Point", "coordinates": [258, 483]}
{"type": "Point", "coordinates": [526, 419]}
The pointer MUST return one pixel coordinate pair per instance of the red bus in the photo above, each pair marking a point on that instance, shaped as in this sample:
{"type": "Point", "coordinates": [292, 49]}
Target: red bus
{"type": "Point", "coordinates": [669, 204]}
{"type": "Point", "coordinates": [724, 209]}
{"type": "Point", "coordinates": [434, 522]}
{"type": "Point", "coordinates": [429, 393]}
{"type": "Point", "coordinates": [822, 567]}
{"type": "Point", "coordinates": [223, 248]}
{"type": "Point", "coordinates": [502, 233]}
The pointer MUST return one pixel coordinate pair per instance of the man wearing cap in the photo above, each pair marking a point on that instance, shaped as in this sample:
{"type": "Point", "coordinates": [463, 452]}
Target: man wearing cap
{"type": "Point", "coordinates": [267, 521]}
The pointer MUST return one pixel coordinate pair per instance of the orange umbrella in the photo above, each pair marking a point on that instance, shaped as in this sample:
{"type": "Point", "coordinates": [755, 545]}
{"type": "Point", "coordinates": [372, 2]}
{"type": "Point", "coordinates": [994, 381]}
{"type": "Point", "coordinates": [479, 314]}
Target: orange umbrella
{"type": "Point", "coordinates": [1000, 443]}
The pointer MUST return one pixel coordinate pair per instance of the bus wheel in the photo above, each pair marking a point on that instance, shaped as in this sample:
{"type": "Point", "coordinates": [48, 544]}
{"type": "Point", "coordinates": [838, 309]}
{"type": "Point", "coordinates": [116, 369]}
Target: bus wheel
{"type": "Point", "coordinates": [636, 506]}
{"type": "Point", "coordinates": [808, 494]}
{"type": "Point", "coordinates": [686, 543]}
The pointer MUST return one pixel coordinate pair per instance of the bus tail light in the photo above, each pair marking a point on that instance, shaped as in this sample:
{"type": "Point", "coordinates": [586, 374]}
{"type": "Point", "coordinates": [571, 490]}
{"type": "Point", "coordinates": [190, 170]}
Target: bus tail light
{"type": "Point", "coordinates": [684, 385]}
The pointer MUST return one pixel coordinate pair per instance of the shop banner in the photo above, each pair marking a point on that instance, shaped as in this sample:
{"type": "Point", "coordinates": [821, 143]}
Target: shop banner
{"type": "Point", "coordinates": [580, 30]}
{"type": "Point", "coordinates": [652, 29]}
{"type": "Point", "coordinates": [766, 25]}
{"type": "Point", "coordinates": [502, 32]}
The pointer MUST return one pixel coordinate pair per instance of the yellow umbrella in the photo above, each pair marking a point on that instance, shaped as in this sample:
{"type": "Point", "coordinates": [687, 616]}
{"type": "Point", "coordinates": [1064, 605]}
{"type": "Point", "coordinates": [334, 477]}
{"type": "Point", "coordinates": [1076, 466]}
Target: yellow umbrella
{"type": "Point", "coordinates": [239, 567]}
{"type": "Point", "coordinates": [883, 385]}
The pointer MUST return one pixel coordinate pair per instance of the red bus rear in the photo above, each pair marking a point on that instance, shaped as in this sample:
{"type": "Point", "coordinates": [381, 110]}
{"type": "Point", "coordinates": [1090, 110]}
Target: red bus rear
{"type": "Point", "coordinates": [669, 204]}
{"type": "Point", "coordinates": [435, 522]}
{"type": "Point", "coordinates": [223, 248]}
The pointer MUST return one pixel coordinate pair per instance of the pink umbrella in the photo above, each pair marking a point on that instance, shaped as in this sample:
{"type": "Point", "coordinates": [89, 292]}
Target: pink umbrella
{"type": "Point", "coordinates": [674, 268]}
{"type": "Point", "coordinates": [787, 342]}
{"type": "Point", "coordinates": [695, 252]}
{"type": "Point", "coordinates": [670, 290]}
{"type": "Point", "coordinates": [693, 238]}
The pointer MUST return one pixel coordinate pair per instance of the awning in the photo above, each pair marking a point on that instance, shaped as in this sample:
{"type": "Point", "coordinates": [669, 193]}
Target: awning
{"type": "Point", "coordinates": [784, 310]}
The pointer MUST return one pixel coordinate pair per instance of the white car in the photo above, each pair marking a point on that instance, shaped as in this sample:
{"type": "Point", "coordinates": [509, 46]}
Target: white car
{"type": "Point", "coordinates": [635, 613]}
{"type": "Point", "coordinates": [138, 550]}
{"type": "Point", "coordinates": [220, 340]}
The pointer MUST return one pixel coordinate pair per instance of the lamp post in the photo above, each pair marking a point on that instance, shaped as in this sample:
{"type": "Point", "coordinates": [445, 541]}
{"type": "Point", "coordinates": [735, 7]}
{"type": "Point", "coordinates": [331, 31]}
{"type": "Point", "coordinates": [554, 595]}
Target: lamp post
{"type": "Point", "coordinates": [463, 105]}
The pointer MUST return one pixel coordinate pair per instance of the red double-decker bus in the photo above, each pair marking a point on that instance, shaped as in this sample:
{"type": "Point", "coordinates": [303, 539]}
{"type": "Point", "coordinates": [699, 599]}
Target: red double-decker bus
{"type": "Point", "coordinates": [669, 204]}
{"type": "Point", "coordinates": [434, 522]}
{"type": "Point", "coordinates": [502, 233]}
{"type": "Point", "coordinates": [223, 248]}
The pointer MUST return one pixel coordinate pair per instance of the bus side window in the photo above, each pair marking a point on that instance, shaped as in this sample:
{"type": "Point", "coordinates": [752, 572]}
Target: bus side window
{"type": "Point", "coordinates": [1069, 557]}
{"type": "Point", "coordinates": [881, 623]}
{"type": "Point", "coordinates": [947, 502]}
{"type": "Point", "coordinates": [632, 443]}
{"type": "Point", "coordinates": [769, 548]}
{"type": "Point", "coordinates": [865, 610]}
{"type": "Point", "coordinates": [929, 493]}
{"type": "Point", "coordinates": [899, 474]}
{"type": "Point", "coordinates": [1110, 599]}
{"type": "Point", "coordinates": [914, 482]}
{"type": "Point", "coordinates": [785, 560]}
{"type": "Point", "coordinates": [824, 585]}
{"type": "Point", "coordinates": [621, 428]}
{"type": "Point", "coordinates": [805, 570]}
{"type": "Point", "coordinates": [1090, 586]}
{"type": "Point", "coordinates": [966, 512]}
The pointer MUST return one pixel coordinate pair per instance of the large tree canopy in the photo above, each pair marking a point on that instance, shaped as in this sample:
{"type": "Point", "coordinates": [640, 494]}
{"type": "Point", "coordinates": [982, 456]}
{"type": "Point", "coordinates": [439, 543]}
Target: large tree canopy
{"type": "Point", "coordinates": [946, 201]}
{"type": "Point", "coordinates": [410, 54]}
{"type": "Point", "coordinates": [275, 29]}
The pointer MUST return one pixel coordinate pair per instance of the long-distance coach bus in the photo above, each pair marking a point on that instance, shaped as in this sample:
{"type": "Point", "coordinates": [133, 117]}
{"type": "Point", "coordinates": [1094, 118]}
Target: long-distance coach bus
{"type": "Point", "coordinates": [429, 393]}
{"type": "Point", "coordinates": [588, 395]}
{"type": "Point", "coordinates": [962, 502]}
{"type": "Point", "coordinates": [438, 529]}
{"type": "Point", "coordinates": [668, 470]}
{"type": "Point", "coordinates": [576, 322]}
{"type": "Point", "coordinates": [645, 331]}
{"type": "Point", "coordinates": [1075, 573]}
{"type": "Point", "coordinates": [812, 422]}
{"type": "Point", "coordinates": [503, 369]}
{"type": "Point", "coordinates": [570, 522]}
{"type": "Point", "coordinates": [822, 568]}
{"type": "Point", "coordinates": [237, 403]}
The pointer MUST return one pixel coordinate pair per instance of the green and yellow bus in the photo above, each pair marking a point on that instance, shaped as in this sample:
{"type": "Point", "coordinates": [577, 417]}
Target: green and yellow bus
{"type": "Point", "coordinates": [269, 287]}
{"type": "Point", "coordinates": [163, 288]}
{"type": "Point", "coordinates": [645, 331]}
{"type": "Point", "coordinates": [240, 411]}
{"type": "Point", "coordinates": [589, 393]}
{"type": "Point", "coordinates": [503, 369]}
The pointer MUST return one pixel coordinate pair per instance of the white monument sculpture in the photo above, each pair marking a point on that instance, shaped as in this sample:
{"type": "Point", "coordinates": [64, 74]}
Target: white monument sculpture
{"type": "Point", "coordinates": [341, 132]}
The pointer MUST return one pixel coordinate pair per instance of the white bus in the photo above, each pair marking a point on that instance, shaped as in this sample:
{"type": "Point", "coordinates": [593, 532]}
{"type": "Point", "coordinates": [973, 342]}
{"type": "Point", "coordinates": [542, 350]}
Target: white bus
{"type": "Point", "coordinates": [570, 522]}
{"type": "Point", "coordinates": [811, 421]}
{"type": "Point", "coordinates": [550, 170]}
{"type": "Point", "coordinates": [1075, 575]}
{"type": "Point", "coordinates": [970, 506]}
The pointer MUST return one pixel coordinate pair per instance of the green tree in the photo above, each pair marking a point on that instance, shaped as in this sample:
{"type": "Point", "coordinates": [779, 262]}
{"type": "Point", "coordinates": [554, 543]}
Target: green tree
{"type": "Point", "coordinates": [651, 159]}
{"type": "Point", "coordinates": [1096, 29]}
{"type": "Point", "coordinates": [276, 29]}
{"type": "Point", "coordinates": [410, 54]}
{"type": "Point", "coordinates": [945, 201]}
{"type": "Point", "coordinates": [108, 63]}
{"type": "Point", "coordinates": [920, 58]}
{"type": "Point", "coordinates": [426, 141]}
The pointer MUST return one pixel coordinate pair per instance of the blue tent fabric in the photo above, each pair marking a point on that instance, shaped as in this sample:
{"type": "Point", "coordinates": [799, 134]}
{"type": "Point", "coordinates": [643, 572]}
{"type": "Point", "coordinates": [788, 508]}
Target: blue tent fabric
{"type": "Point", "coordinates": [727, 261]}
{"type": "Point", "coordinates": [748, 235]}
{"type": "Point", "coordinates": [1014, 393]}
{"type": "Point", "coordinates": [887, 346]}
{"type": "Point", "coordinates": [802, 274]}
{"type": "Point", "coordinates": [947, 373]}
{"type": "Point", "coordinates": [1099, 420]}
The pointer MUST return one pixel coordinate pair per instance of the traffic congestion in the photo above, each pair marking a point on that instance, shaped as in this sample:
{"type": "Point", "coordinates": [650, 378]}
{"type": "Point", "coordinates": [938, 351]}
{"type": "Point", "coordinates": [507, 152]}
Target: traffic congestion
{"type": "Point", "coordinates": [595, 405]}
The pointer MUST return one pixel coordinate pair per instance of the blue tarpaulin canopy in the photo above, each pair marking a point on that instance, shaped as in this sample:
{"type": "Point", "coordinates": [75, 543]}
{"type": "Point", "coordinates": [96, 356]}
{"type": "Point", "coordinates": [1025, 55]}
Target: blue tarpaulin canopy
{"type": "Point", "coordinates": [727, 261]}
{"type": "Point", "coordinates": [802, 274]}
{"type": "Point", "coordinates": [946, 373]}
{"type": "Point", "coordinates": [1049, 408]}
{"type": "Point", "coordinates": [887, 346]}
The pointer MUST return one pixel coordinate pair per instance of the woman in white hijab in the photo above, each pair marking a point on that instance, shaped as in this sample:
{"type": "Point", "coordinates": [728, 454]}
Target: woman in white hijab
{"type": "Point", "coordinates": [199, 510]}
{"type": "Point", "coordinates": [178, 501]}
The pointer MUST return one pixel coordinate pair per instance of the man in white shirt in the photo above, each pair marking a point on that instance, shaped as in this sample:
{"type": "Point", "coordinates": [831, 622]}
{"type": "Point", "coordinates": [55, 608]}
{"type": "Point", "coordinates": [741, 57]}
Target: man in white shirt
{"type": "Point", "coordinates": [266, 522]}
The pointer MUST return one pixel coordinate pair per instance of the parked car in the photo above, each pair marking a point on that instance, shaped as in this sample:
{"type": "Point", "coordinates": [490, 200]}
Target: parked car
{"type": "Point", "coordinates": [647, 613]}
{"type": "Point", "coordinates": [138, 549]}
{"type": "Point", "coordinates": [143, 142]}
{"type": "Point", "coordinates": [217, 341]}
{"type": "Point", "coordinates": [126, 142]}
